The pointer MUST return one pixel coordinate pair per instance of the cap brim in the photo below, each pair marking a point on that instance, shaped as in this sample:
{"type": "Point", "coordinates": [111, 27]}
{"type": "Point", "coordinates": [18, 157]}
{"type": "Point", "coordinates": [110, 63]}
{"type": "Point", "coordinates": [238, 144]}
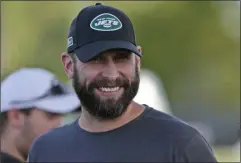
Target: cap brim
{"type": "Point", "coordinates": [59, 104]}
{"type": "Point", "coordinates": [87, 52]}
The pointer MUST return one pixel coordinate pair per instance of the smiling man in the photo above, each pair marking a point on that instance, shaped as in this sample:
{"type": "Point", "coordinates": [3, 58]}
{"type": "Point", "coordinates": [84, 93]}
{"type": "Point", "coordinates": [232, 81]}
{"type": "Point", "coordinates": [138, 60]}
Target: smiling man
{"type": "Point", "coordinates": [104, 61]}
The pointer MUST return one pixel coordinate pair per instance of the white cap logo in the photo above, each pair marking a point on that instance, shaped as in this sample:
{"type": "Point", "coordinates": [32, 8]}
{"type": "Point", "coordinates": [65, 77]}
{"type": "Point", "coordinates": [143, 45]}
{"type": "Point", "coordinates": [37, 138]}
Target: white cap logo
{"type": "Point", "coordinates": [70, 42]}
{"type": "Point", "coordinates": [106, 22]}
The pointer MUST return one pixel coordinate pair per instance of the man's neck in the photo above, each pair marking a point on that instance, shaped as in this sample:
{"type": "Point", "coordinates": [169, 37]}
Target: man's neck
{"type": "Point", "coordinates": [92, 124]}
{"type": "Point", "coordinates": [7, 146]}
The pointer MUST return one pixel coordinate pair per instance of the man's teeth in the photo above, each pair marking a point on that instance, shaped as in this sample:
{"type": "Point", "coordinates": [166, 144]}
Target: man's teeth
{"type": "Point", "coordinates": [107, 89]}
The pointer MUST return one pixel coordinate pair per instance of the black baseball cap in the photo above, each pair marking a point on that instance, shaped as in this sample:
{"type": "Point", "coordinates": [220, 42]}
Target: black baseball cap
{"type": "Point", "coordinates": [99, 28]}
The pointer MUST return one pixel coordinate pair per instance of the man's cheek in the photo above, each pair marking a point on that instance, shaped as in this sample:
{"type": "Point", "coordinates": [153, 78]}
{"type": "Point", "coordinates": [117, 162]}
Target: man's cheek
{"type": "Point", "coordinates": [83, 78]}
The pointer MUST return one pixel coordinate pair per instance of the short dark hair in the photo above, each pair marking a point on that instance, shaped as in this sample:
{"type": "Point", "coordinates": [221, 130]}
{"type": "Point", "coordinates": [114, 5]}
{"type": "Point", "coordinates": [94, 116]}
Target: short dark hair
{"type": "Point", "coordinates": [74, 57]}
{"type": "Point", "coordinates": [3, 121]}
{"type": "Point", "coordinates": [4, 118]}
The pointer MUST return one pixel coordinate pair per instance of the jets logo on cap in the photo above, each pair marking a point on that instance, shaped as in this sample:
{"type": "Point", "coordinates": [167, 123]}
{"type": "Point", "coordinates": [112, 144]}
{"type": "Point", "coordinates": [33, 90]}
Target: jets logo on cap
{"type": "Point", "coordinates": [106, 22]}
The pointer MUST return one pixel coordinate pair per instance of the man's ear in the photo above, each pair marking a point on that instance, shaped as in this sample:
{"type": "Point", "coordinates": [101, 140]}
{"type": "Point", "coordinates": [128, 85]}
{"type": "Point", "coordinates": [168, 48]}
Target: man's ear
{"type": "Point", "coordinates": [15, 118]}
{"type": "Point", "coordinates": [139, 49]}
{"type": "Point", "coordinates": [68, 64]}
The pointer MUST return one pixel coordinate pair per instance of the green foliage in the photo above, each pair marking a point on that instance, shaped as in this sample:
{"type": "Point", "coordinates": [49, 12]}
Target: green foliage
{"type": "Point", "coordinates": [183, 42]}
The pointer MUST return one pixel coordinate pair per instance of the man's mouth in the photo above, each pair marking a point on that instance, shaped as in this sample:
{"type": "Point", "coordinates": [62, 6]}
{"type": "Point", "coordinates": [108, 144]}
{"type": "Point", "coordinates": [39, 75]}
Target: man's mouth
{"type": "Point", "coordinates": [109, 89]}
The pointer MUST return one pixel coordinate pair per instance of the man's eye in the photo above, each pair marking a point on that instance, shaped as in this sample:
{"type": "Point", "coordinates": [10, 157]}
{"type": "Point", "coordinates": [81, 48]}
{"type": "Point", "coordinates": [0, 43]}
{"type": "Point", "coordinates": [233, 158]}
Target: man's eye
{"type": "Point", "coordinates": [122, 57]}
{"type": "Point", "coordinates": [52, 115]}
{"type": "Point", "coordinates": [96, 59]}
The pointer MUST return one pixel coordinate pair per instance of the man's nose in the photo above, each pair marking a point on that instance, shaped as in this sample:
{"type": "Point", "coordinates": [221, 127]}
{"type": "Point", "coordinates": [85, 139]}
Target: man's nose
{"type": "Point", "coordinates": [110, 71]}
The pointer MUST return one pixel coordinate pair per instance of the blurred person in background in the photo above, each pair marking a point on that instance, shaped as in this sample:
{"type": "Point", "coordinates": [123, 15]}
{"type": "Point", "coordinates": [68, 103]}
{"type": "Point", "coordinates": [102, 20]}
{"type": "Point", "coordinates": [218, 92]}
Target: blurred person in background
{"type": "Point", "coordinates": [104, 63]}
{"type": "Point", "coordinates": [151, 83]}
{"type": "Point", "coordinates": [32, 102]}
{"type": "Point", "coordinates": [236, 148]}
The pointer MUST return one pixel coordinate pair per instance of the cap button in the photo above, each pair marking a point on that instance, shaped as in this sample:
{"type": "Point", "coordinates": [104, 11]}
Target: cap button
{"type": "Point", "coordinates": [98, 3]}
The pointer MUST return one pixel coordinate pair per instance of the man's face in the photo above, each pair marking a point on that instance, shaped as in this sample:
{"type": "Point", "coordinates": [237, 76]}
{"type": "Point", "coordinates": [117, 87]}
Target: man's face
{"type": "Point", "coordinates": [107, 84]}
{"type": "Point", "coordinates": [35, 124]}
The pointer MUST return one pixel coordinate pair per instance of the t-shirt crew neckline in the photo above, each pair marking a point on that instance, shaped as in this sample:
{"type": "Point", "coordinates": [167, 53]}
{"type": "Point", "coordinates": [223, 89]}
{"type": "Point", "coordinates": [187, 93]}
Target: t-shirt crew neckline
{"type": "Point", "coordinates": [132, 122]}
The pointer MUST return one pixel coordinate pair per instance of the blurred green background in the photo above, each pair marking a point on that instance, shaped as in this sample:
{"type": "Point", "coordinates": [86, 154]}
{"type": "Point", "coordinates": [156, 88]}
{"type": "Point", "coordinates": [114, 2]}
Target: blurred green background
{"type": "Point", "coordinates": [193, 47]}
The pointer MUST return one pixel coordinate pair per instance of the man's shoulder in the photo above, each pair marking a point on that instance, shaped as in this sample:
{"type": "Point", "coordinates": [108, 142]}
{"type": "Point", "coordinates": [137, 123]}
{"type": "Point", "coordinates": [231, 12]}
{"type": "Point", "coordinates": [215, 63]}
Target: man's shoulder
{"type": "Point", "coordinates": [56, 135]}
{"type": "Point", "coordinates": [170, 125]}
{"type": "Point", "coordinates": [48, 144]}
{"type": "Point", "coordinates": [189, 144]}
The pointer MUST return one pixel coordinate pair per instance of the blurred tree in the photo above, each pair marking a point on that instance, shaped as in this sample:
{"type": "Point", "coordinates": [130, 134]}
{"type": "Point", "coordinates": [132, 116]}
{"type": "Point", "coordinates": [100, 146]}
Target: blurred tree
{"type": "Point", "coordinates": [186, 45]}
{"type": "Point", "coordinates": [183, 42]}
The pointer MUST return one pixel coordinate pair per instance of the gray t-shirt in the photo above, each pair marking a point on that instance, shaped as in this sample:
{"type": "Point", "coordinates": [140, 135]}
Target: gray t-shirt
{"type": "Point", "coordinates": [152, 137]}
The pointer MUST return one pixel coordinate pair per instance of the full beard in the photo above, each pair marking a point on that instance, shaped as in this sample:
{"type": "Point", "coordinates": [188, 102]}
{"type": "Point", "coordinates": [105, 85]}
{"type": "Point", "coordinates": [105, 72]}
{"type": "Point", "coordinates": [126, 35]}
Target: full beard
{"type": "Point", "coordinates": [109, 108]}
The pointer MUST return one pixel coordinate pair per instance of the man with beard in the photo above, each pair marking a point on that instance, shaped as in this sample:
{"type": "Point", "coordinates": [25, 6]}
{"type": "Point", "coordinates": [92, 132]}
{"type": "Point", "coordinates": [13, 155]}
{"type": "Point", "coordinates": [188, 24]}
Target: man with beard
{"type": "Point", "coordinates": [103, 61]}
{"type": "Point", "coordinates": [32, 102]}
